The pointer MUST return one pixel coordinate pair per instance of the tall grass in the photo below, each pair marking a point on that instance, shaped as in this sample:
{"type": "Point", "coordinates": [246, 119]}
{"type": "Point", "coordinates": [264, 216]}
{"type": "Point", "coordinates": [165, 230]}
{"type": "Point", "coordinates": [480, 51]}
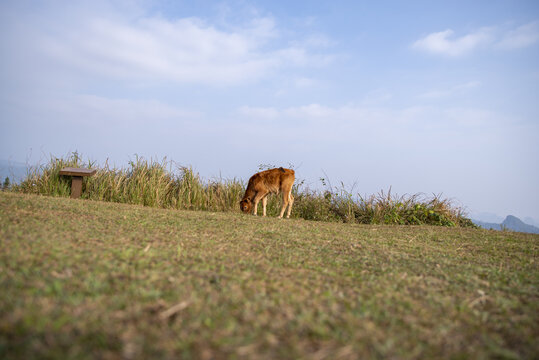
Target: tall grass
{"type": "Point", "coordinates": [167, 185]}
{"type": "Point", "coordinates": [144, 182]}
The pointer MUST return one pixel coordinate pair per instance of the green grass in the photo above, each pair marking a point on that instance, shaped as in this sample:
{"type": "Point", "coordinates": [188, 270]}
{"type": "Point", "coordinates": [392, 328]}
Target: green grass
{"type": "Point", "coordinates": [167, 185]}
{"type": "Point", "coordinates": [87, 279]}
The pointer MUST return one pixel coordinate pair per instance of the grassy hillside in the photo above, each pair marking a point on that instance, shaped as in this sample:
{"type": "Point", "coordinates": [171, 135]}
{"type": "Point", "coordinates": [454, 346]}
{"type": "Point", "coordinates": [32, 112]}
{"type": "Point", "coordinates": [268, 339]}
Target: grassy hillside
{"type": "Point", "coordinates": [86, 279]}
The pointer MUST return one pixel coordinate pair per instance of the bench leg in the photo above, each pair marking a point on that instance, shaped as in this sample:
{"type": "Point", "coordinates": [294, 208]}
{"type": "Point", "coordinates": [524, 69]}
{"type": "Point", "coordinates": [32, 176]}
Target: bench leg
{"type": "Point", "coordinates": [76, 187]}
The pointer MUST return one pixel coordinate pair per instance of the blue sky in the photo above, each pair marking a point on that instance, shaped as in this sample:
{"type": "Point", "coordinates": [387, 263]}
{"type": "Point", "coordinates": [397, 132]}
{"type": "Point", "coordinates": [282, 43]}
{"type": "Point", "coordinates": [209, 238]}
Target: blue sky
{"type": "Point", "coordinates": [423, 96]}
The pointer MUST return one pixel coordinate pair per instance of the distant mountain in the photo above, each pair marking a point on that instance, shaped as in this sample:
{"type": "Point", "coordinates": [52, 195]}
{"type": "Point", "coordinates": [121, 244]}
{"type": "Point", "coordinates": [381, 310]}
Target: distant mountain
{"type": "Point", "coordinates": [514, 223]}
{"type": "Point", "coordinates": [510, 223]}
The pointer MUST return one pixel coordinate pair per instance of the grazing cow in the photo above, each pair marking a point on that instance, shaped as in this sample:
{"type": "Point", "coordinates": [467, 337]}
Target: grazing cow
{"type": "Point", "coordinates": [268, 182]}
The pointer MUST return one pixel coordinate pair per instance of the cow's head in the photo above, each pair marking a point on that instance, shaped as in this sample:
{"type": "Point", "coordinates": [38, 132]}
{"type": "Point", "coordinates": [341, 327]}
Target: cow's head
{"type": "Point", "coordinates": [245, 205]}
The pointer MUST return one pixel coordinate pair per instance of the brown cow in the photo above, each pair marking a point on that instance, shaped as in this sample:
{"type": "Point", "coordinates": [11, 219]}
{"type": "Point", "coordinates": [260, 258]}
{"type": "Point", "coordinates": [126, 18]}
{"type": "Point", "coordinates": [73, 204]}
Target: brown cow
{"type": "Point", "coordinates": [268, 182]}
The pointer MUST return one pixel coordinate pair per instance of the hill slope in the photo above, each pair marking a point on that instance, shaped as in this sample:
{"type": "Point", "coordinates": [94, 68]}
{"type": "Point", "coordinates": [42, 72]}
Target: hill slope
{"type": "Point", "coordinates": [85, 279]}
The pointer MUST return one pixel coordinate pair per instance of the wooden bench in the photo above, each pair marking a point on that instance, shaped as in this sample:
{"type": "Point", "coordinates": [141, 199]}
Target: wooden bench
{"type": "Point", "coordinates": [76, 179]}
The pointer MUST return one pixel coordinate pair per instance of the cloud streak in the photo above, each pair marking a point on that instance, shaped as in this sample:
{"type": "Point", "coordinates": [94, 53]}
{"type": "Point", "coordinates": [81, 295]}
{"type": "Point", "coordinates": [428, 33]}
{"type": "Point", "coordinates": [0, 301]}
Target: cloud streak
{"type": "Point", "coordinates": [449, 44]}
{"type": "Point", "coordinates": [521, 37]}
{"type": "Point", "coordinates": [445, 43]}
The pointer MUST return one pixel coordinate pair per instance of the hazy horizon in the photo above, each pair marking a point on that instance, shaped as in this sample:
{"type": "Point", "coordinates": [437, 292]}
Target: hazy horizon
{"type": "Point", "coordinates": [418, 96]}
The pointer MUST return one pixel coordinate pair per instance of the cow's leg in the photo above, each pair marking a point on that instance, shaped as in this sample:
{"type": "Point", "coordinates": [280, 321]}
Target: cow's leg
{"type": "Point", "coordinates": [285, 204]}
{"type": "Point", "coordinates": [256, 200]}
{"type": "Point", "coordinates": [255, 206]}
{"type": "Point", "coordinates": [290, 202]}
{"type": "Point", "coordinates": [264, 203]}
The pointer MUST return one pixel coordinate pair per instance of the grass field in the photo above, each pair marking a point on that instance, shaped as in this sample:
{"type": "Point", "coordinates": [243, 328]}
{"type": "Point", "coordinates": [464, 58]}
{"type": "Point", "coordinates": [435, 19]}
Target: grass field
{"type": "Point", "coordinates": [87, 279]}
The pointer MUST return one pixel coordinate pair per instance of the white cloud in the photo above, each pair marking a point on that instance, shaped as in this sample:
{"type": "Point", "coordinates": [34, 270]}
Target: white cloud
{"type": "Point", "coordinates": [186, 50]}
{"type": "Point", "coordinates": [150, 48]}
{"type": "Point", "coordinates": [523, 36]}
{"type": "Point", "coordinates": [446, 44]}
